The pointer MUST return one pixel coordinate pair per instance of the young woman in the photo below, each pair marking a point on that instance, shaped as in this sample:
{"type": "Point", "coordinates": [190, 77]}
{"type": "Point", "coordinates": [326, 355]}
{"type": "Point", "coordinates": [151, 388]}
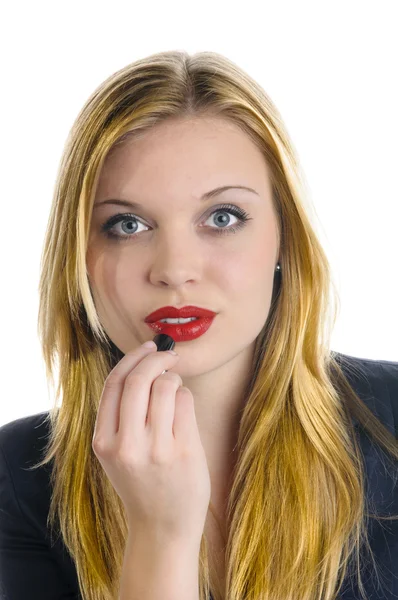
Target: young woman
{"type": "Point", "coordinates": [255, 463]}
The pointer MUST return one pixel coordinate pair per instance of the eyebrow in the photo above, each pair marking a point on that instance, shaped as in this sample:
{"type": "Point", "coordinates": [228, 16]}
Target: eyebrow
{"type": "Point", "coordinates": [206, 196]}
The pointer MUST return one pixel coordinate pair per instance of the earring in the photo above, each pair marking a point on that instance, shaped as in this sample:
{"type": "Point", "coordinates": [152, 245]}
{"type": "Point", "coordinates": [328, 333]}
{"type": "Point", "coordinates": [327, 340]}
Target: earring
{"type": "Point", "coordinates": [278, 267]}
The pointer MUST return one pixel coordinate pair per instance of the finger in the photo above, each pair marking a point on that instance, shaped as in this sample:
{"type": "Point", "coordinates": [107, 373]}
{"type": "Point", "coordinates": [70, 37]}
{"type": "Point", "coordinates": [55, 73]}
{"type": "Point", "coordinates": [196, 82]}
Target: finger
{"type": "Point", "coordinates": [161, 409]}
{"type": "Point", "coordinates": [107, 420]}
{"type": "Point", "coordinates": [134, 403]}
{"type": "Point", "coordinates": [185, 426]}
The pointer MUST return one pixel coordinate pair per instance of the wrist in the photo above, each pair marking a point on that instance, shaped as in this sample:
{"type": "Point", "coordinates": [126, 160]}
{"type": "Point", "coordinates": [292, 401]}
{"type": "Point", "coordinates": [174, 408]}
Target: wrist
{"type": "Point", "coordinates": [155, 567]}
{"type": "Point", "coordinates": [158, 542]}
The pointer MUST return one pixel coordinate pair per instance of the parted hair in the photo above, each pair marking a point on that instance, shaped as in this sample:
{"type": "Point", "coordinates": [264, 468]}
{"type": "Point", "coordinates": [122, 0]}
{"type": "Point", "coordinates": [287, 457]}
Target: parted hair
{"type": "Point", "coordinates": [297, 512]}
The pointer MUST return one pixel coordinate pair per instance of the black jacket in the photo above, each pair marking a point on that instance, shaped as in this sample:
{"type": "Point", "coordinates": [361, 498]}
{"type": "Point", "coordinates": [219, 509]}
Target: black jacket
{"type": "Point", "coordinates": [30, 569]}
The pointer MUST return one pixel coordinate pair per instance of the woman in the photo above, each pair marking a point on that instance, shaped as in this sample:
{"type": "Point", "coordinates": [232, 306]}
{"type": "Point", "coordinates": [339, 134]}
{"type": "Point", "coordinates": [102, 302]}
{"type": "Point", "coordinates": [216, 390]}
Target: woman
{"type": "Point", "coordinates": [249, 480]}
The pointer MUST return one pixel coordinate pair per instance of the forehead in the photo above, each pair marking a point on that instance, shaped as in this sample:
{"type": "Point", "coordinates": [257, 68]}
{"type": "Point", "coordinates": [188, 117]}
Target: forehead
{"type": "Point", "coordinates": [194, 154]}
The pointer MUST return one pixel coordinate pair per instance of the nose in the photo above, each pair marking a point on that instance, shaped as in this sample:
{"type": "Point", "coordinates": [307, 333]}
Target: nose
{"type": "Point", "coordinates": [177, 259]}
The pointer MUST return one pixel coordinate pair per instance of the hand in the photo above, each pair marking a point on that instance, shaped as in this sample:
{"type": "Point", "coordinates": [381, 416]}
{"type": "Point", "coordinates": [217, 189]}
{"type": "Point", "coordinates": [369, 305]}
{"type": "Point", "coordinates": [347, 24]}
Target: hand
{"type": "Point", "coordinates": [146, 439]}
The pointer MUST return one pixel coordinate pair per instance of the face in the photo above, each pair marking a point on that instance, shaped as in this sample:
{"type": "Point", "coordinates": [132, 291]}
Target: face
{"type": "Point", "coordinates": [178, 249]}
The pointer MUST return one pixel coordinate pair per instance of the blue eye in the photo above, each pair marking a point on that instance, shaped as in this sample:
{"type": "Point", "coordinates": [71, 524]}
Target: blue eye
{"type": "Point", "coordinates": [132, 222]}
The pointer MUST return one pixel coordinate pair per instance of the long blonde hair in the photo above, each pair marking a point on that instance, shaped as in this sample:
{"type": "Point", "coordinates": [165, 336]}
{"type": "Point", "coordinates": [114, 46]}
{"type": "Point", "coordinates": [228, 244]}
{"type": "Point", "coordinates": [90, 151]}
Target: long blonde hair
{"type": "Point", "coordinates": [297, 510]}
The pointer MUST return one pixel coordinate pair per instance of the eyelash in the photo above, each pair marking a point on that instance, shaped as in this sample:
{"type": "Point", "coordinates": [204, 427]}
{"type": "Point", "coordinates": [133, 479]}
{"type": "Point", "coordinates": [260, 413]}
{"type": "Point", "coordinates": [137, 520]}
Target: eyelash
{"type": "Point", "coordinates": [234, 210]}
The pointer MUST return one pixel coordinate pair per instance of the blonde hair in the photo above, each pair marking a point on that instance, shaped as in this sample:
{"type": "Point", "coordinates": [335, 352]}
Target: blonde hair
{"type": "Point", "coordinates": [296, 512]}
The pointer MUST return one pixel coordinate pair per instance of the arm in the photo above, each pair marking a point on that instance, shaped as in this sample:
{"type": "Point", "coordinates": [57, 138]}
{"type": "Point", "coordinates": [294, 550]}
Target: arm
{"type": "Point", "coordinates": [159, 571]}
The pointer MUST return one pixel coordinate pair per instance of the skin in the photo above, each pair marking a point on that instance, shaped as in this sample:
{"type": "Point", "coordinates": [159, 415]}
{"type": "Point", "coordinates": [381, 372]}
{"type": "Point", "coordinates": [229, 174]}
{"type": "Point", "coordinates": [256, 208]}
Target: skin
{"type": "Point", "coordinates": [175, 259]}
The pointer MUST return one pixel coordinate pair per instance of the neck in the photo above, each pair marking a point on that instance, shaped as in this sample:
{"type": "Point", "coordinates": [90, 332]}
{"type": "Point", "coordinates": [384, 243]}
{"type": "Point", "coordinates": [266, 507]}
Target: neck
{"type": "Point", "coordinates": [218, 413]}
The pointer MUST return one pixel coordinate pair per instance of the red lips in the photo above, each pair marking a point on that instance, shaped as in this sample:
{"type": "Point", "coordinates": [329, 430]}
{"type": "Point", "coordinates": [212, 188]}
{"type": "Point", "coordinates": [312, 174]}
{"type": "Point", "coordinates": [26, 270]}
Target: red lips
{"type": "Point", "coordinates": [169, 312]}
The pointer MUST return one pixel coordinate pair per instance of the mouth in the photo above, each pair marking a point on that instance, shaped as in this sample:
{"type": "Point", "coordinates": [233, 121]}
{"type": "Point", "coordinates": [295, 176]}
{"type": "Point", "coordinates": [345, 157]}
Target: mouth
{"type": "Point", "coordinates": [183, 330]}
{"type": "Point", "coordinates": [182, 324]}
{"type": "Point", "coordinates": [172, 313]}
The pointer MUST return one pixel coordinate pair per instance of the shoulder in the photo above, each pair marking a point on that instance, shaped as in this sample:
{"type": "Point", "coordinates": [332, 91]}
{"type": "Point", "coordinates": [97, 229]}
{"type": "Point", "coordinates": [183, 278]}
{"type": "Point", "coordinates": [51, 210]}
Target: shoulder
{"type": "Point", "coordinates": [378, 368]}
{"type": "Point", "coordinates": [24, 492]}
{"type": "Point", "coordinates": [24, 424]}
{"type": "Point", "coordinates": [24, 438]}
{"type": "Point", "coordinates": [376, 383]}
{"type": "Point", "coordinates": [27, 546]}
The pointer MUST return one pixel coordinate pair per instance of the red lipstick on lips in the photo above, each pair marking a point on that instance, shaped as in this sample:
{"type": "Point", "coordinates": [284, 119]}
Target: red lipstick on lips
{"type": "Point", "coordinates": [181, 332]}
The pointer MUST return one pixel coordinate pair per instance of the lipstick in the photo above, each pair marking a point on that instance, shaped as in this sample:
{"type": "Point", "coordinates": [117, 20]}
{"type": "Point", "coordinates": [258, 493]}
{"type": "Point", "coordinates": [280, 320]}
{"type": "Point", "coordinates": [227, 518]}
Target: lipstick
{"type": "Point", "coordinates": [164, 342]}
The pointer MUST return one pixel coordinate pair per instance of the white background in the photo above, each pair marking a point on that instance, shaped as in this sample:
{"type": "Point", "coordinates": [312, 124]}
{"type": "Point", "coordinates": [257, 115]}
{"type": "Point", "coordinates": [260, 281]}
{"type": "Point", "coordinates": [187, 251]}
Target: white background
{"type": "Point", "coordinates": [330, 68]}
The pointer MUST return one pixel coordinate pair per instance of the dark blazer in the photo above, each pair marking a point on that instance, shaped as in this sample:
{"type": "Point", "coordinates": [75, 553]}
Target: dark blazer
{"type": "Point", "coordinates": [30, 569]}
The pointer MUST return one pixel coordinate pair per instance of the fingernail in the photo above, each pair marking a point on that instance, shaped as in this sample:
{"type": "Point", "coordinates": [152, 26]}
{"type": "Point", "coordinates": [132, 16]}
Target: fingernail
{"type": "Point", "coordinates": [149, 344]}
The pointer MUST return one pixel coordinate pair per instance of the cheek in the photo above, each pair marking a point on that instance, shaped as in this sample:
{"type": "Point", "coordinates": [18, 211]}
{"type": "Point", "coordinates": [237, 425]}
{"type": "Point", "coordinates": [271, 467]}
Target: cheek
{"type": "Point", "coordinates": [228, 271]}
{"type": "Point", "coordinates": [249, 276]}
{"type": "Point", "coordinates": [244, 275]}
{"type": "Point", "coordinates": [110, 275]}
